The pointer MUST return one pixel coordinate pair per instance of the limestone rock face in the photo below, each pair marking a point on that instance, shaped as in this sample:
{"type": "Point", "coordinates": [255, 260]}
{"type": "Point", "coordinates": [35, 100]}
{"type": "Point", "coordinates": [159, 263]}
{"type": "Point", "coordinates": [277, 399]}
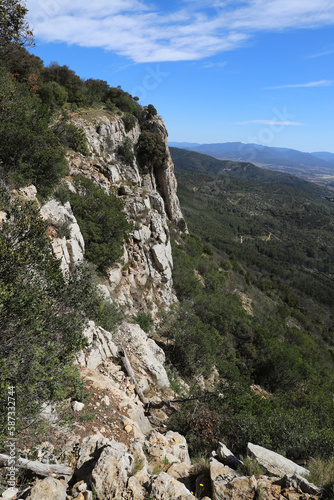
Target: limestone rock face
{"type": "Point", "coordinates": [69, 250]}
{"type": "Point", "coordinates": [145, 355]}
{"type": "Point", "coordinates": [149, 201]}
{"type": "Point", "coordinates": [273, 462]}
{"type": "Point", "coordinates": [100, 347]}
{"type": "Point", "coordinates": [165, 487]}
{"type": "Point", "coordinates": [49, 488]}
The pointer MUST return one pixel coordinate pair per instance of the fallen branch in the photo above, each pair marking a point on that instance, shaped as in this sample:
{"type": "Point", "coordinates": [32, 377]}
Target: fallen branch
{"type": "Point", "coordinates": [37, 467]}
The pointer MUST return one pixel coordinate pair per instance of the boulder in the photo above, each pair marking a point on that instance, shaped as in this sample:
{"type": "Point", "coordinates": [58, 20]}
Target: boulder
{"type": "Point", "coordinates": [165, 487]}
{"type": "Point", "coordinates": [181, 472]}
{"type": "Point", "coordinates": [50, 488]}
{"type": "Point", "coordinates": [77, 406]}
{"type": "Point", "coordinates": [163, 260]}
{"type": "Point", "coordinates": [28, 193]}
{"type": "Point", "coordinates": [112, 471]}
{"type": "Point", "coordinates": [273, 462]}
{"type": "Point", "coordinates": [89, 453]}
{"type": "Point", "coordinates": [71, 250]}
{"type": "Point", "coordinates": [171, 446]}
{"type": "Point", "coordinates": [99, 346]}
{"type": "Point", "coordinates": [297, 481]}
{"type": "Point", "coordinates": [227, 484]}
{"type": "Point", "coordinates": [226, 456]}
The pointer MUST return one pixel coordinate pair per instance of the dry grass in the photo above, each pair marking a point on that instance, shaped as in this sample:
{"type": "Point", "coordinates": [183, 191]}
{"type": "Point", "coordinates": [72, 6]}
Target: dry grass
{"type": "Point", "coordinates": [322, 475]}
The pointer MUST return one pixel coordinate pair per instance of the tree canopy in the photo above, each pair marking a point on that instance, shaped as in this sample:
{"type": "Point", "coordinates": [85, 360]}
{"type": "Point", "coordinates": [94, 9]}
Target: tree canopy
{"type": "Point", "coordinates": [13, 24]}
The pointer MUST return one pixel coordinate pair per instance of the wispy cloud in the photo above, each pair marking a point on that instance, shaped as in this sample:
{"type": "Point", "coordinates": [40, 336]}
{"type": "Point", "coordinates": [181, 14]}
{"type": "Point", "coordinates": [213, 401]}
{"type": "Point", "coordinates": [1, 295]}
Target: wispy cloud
{"type": "Point", "coordinates": [323, 53]}
{"type": "Point", "coordinates": [270, 122]}
{"type": "Point", "coordinates": [210, 64]}
{"type": "Point", "coordinates": [320, 83]}
{"type": "Point", "coordinates": [146, 32]}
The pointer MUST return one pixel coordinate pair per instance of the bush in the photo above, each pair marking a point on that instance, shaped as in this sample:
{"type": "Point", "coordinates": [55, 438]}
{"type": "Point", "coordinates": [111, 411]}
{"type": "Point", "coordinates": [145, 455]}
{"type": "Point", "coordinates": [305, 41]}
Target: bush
{"type": "Point", "coordinates": [29, 150]}
{"type": "Point", "coordinates": [125, 150]}
{"type": "Point", "coordinates": [250, 467]}
{"type": "Point", "coordinates": [102, 222]}
{"type": "Point", "coordinates": [41, 316]}
{"type": "Point", "coordinates": [129, 122]}
{"type": "Point", "coordinates": [144, 320]}
{"type": "Point", "coordinates": [151, 152]}
{"type": "Point", "coordinates": [72, 137]}
{"type": "Point", "coordinates": [53, 95]}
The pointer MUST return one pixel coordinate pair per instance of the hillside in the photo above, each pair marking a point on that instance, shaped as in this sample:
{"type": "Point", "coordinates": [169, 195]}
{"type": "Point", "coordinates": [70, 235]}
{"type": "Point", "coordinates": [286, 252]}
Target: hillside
{"type": "Point", "coordinates": [305, 165]}
{"type": "Point", "coordinates": [190, 161]}
{"type": "Point", "coordinates": [132, 351]}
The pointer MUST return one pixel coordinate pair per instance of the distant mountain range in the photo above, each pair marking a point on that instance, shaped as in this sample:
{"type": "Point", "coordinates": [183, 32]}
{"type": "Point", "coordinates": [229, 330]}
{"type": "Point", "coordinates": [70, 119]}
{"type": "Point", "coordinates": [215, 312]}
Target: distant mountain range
{"type": "Point", "coordinates": [198, 163]}
{"type": "Point", "coordinates": [309, 166]}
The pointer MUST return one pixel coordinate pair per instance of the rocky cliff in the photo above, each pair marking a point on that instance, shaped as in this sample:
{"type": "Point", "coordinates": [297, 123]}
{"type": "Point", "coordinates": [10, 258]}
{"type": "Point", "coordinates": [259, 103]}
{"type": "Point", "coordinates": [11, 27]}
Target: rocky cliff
{"type": "Point", "coordinates": [117, 447]}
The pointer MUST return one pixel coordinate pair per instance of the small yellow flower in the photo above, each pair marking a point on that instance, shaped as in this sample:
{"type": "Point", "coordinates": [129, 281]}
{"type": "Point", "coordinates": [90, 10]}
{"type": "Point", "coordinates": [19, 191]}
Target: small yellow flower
{"type": "Point", "coordinates": [201, 484]}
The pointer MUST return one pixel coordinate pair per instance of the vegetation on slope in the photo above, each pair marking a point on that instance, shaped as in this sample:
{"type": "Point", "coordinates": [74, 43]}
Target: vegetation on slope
{"type": "Point", "coordinates": [42, 315]}
{"type": "Point", "coordinates": [190, 161]}
{"type": "Point", "coordinates": [256, 297]}
{"type": "Point", "coordinates": [101, 219]}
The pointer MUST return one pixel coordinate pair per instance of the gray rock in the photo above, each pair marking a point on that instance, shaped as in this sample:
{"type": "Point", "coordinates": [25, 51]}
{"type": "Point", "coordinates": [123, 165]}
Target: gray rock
{"type": "Point", "coordinates": [145, 356]}
{"type": "Point", "coordinates": [163, 259]}
{"type": "Point", "coordinates": [273, 462]}
{"type": "Point", "coordinates": [50, 489]}
{"type": "Point", "coordinates": [89, 452]}
{"type": "Point", "coordinates": [29, 193]}
{"type": "Point", "coordinates": [111, 473]}
{"type": "Point", "coordinates": [10, 493]}
{"type": "Point", "coordinates": [165, 487]}
{"type": "Point", "coordinates": [70, 251]}
{"type": "Point", "coordinates": [181, 472]}
{"type": "Point", "coordinates": [77, 406]}
{"type": "Point", "coordinates": [227, 484]}
{"type": "Point", "coordinates": [297, 481]}
{"type": "Point", "coordinates": [227, 457]}
{"type": "Point", "coordinates": [171, 445]}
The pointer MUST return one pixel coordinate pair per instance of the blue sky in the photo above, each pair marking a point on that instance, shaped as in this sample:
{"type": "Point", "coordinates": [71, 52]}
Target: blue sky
{"type": "Point", "coordinates": [257, 71]}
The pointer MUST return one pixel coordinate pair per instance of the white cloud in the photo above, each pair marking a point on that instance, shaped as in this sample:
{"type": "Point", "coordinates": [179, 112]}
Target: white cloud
{"type": "Point", "coordinates": [321, 54]}
{"type": "Point", "coordinates": [270, 122]}
{"type": "Point", "coordinates": [210, 64]}
{"type": "Point", "coordinates": [146, 32]}
{"type": "Point", "coordinates": [320, 83]}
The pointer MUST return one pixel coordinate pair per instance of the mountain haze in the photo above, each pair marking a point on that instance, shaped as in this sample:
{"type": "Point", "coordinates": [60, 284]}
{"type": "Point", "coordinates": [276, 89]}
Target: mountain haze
{"type": "Point", "coordinates": [305, 165]}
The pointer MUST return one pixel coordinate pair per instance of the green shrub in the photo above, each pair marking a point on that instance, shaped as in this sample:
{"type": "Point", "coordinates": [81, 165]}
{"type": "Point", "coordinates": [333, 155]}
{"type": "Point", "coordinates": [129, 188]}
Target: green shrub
{"type": "Point", "coordinates": [125, 150]}
{"type": "Point", "coordinates": [151, 152]}
{"type": "Point", "coordinates": [53, 94]}
{"type": "Point", "coordinates": [129, 121]}
{"type": "Point", "coordinates": [29, 150]}
{"type": "Point", "coordinates": [63, 229]}
{"type": "Point", "coordinates": [102, 222]}
{"type": "Point", "coordinates": [42, 316]}
{"type": "Point", "coordinates": [72, 137]}
{"type": "Point", "coordinates": [144, 320]}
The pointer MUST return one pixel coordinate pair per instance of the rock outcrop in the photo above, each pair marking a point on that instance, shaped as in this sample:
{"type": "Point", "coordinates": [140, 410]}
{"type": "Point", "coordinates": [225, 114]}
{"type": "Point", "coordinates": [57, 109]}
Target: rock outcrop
{"type": "Point", "coordinates": [135, 461]}
{"type": "Point", "coordinates": [273, 462]}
